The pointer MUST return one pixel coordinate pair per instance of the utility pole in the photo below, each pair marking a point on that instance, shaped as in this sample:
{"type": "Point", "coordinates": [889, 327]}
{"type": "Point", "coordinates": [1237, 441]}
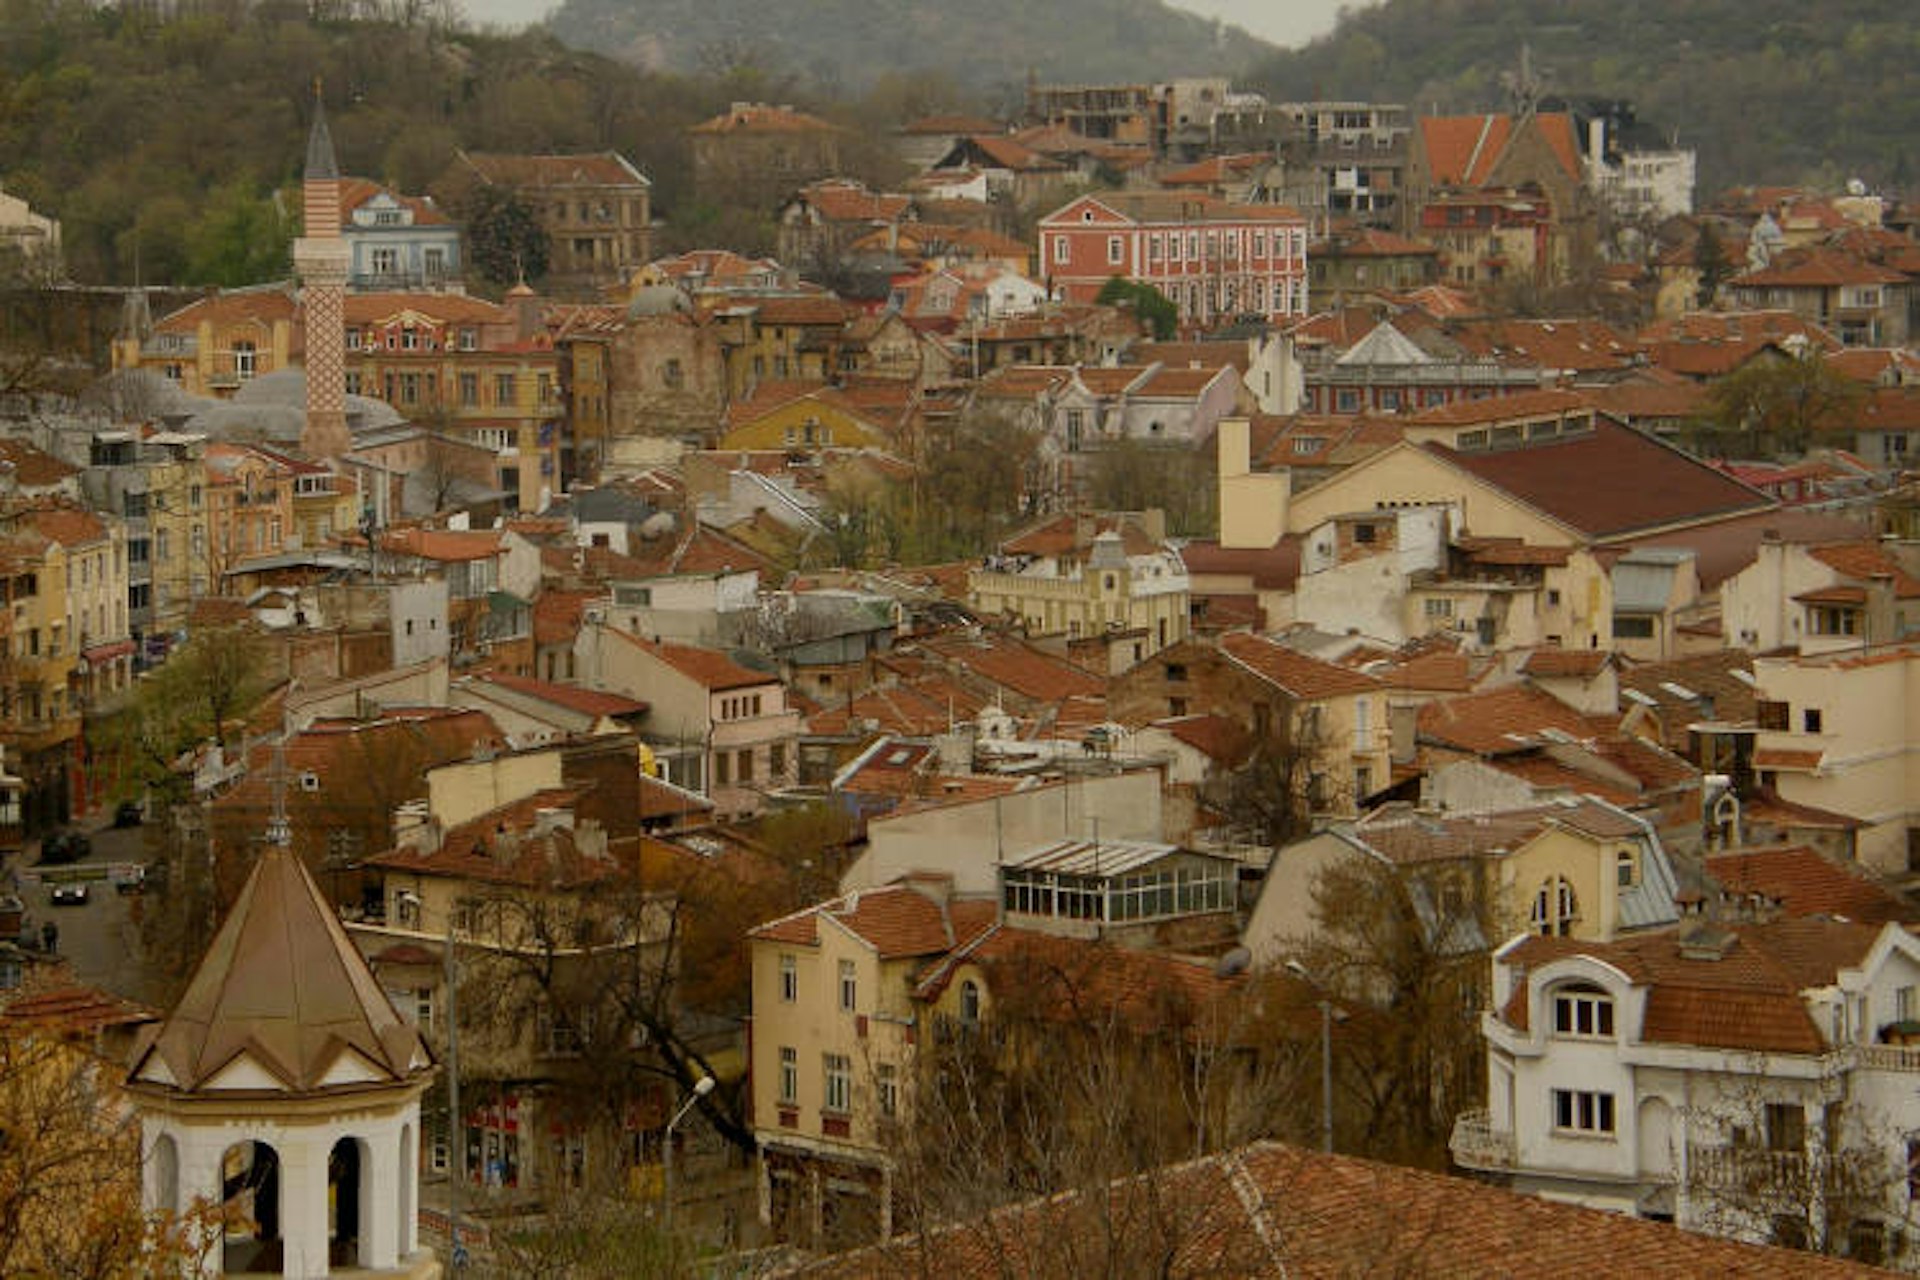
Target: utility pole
{"type": "Point", "coordinates": [456, 1136]}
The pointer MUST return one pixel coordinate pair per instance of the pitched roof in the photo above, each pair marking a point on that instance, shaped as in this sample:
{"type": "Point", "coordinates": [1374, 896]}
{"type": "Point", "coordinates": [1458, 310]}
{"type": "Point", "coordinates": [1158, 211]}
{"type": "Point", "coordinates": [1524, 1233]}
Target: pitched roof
{"type": "Point", "coordinates": [1512, 718]}
{"type": "Point", "coordinates": [1746, 997]}
{"type": "Point", "coordinates": [598, 168]}
{"type": "Point", "coordinates": [573, 697]}
{"type": "Point", "coordinates": [1611, 481]}
{"type": "Point", "coordinates": [898, 921]}
{"type": "Point", "coordinates": [1294, 673]}
{"type": "Point", "coordinates": [1806, 884]}
{"type": "Point", "coordinates": [705, 667]}
{"type": "Point", "coordinates": [758, 117]}
{"type": "Point", "coordinates": [282, 985]}
{"type": "Point", "coordinates": [33, 468]}
{"type": "Point", "coordinates": [1270, 1210]}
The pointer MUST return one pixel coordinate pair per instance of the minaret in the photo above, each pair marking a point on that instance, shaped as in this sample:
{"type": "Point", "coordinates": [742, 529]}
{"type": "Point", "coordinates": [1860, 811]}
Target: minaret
{"type": "Point", "coordinates": [320, 258]}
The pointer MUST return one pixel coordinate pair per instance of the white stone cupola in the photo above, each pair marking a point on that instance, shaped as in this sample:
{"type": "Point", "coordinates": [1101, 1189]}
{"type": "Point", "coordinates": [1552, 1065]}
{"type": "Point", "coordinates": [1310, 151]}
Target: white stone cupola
{"type": "Point", "coordinates": [285, 1087]}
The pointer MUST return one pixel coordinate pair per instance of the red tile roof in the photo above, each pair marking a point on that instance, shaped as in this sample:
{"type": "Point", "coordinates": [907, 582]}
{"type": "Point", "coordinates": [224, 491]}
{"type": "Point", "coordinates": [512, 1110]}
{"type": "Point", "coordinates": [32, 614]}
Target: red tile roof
{"type": "Point", "coordinates": [1272, 1210]}
{"type": "Point", "coordinates": [1561, 663]}
{"type": "Point", "coordinates": [443, 544]}
{"type": "Point", "coordinates": [1610, 481]}
{"type": "Point", "coordinates": [715, 671]}
{"type": "Point", "coordinates": [601, 169]}
{"type": "Point", "coordinates": [899, 921]}
{"type": "Point", "coordinates": [1746, 998]}
{"type": "Point", "coordinates": [1806, 884]}
{"type": "Point", "coordinates": [573, 697]}
{"type": "Point", "coordinates": [34, 468]}
{"type": "Point", "coordinates": [1295, 673]}
{"type": "Point", "coordinates": [1015, 666]}
{"type": "Point", "coordinates": [1500, 721]}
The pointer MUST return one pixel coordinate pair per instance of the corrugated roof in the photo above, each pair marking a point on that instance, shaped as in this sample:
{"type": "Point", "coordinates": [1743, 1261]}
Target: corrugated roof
{"type": "Point", "coordinates": [1091, 857]}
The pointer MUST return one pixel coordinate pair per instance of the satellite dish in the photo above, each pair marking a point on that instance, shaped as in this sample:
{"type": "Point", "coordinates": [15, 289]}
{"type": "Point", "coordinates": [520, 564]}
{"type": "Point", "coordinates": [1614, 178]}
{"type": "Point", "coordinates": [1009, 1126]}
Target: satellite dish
{"type": "Point", "coordinates": [1236, 961]}
{"type": "Point", "coordinates": [1855, 187]}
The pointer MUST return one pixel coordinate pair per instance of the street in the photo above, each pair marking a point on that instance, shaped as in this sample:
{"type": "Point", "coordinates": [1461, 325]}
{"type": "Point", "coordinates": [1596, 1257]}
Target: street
{"type": "Point", "coordinates": [100, 938]}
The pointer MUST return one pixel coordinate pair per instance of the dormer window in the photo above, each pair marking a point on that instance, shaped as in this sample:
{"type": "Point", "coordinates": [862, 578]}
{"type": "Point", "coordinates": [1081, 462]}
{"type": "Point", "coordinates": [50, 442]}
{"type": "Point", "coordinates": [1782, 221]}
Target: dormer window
{"type": "Point", "coordinates": [1555, 908]}
{"type": "Point", "coordinates": [1582, 1011]}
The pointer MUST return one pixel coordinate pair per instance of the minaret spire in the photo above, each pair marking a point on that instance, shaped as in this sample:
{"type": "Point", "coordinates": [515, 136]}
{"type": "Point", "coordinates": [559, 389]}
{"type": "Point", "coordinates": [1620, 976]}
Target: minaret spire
{"type": "Point", "coordinates": [321, 259]}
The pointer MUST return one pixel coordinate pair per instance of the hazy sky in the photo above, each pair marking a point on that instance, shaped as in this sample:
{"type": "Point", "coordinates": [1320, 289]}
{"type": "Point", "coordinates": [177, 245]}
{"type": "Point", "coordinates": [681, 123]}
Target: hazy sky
{"type": "Point", "coordinates": [1281, 21]}
{"type": "Point", "coordinates": [1289, 22]}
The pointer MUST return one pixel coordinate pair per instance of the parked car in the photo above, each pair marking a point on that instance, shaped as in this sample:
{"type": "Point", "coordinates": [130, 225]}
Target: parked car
{"type": "Point", "coordinates": [70, 895]}
{"type": "Point", "coordinates": [64, 846]}
{"type": "Point", "coordinates": [127, 814]}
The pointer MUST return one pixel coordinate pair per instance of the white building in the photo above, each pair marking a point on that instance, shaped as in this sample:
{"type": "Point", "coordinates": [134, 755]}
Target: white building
{"type": "Point", "coordinates": [286, 1088]}
{"type": "Point", "coordinates": [1746, 1080]}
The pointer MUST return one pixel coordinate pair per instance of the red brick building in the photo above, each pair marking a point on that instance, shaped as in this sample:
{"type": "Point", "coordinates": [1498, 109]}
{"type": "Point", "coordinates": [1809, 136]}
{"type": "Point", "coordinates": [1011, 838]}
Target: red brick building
{"type": "Point", "coordinates": [1215, 260]}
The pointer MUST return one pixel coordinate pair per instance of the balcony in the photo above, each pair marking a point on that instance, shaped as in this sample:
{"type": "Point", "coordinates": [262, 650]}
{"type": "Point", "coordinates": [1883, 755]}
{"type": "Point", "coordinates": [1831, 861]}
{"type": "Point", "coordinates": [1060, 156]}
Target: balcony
{"type": "Point", "coordinates": [1476, 1144]}
{"type": "Point", "coordinates": [1746, 1169]}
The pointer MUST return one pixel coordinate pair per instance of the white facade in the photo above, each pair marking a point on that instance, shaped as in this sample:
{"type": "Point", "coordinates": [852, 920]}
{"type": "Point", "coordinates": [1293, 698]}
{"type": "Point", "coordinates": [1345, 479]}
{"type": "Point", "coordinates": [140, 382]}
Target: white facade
{"type": "Point", "coordinates": [1709, 1123]}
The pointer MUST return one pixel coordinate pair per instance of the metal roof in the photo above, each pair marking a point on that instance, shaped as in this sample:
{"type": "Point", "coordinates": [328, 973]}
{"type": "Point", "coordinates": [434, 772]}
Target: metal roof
{"type": "Point", "coordinates": [1103, 858]}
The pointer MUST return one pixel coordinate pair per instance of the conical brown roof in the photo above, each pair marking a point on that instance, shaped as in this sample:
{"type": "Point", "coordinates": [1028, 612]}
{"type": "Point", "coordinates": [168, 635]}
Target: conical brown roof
{"type": "Point", "coordinates": [284, 998]}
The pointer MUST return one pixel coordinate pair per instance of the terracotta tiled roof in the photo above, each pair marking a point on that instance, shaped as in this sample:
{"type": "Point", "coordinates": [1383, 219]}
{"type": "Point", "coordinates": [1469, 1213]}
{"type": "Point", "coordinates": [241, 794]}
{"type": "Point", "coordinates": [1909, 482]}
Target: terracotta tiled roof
{"type": "Point", "coordinates": [1787, 758]}
{"type": "Point", "coordinates": [926, 705]}
{"type": "Point", "coordinates": [1745, 998]}
{"type": "Point", "coordinates": [845, 200]}
{"type": "Point", "coordinates": [1437, 672]}
{"type": "Point", "coordinates": [1295, 673]}
{"type": "Point", "coordinates": [573, 697]}
{"type": "Point", "coordinates": [1816, 269]}
{"type": "Point", "coordinates": [1525, 404]}
{"type": "Point", "coordinates": [801, 309]}
{"type": "Point", "coordinates": [1271, 568]}
{"type": "Point", "coordinates": [1014, 665]}
{"type": "Point", "coordinates": [899, 921]}
{"type": "Point", "coordinates": [1271, 1210]}
{"type": "Point", "coordinates": [1865, 561]}
{"type": "Point", "coordinates": [1806, 884]}
{"type": "Point", "coordinates": [1889, 409]}
{"type": "Point", "coordinates": [557, 614]}
{"type": "Point", "coordinates": [34, 468]}
{"type": "Point", "coordinates": [1574, 663]}
{"type": "Point", "coordinates": [1086, 982]}
{"type": "Point", "coordinates": [1611, 481]}
{"type": "Point", "coordinates": [68, 526]}
{"type": "Point", "coordinates": [602, 169]}
{"type": "Point", "coordinates": [443, 544]}
{"type": "Point", "coordinates": [1500, 721]}
{"type": "Point", "coordinates": [73, 1007]}
{"type": "Point", "coordinates": [758, 117]}
{"type": "Point", "coordinates": [1216, 169]}
{"type": "Point", "coordinates": [379, 308]}
{"type": "Point", "coordinates": [263, 306]}
{"type": "Point", "coordinates": [1218, 738]}
{"type": "Point", "coordinates": [705, 667]}
{"type": "Point", "coordinates": [1580, 345]}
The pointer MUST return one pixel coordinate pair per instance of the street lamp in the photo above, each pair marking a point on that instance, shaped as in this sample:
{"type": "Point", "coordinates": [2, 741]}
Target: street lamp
{"type": "Point", "coordinates": [701, 1088]}
{"type": "Point", "coordinates": [1327, 1016]}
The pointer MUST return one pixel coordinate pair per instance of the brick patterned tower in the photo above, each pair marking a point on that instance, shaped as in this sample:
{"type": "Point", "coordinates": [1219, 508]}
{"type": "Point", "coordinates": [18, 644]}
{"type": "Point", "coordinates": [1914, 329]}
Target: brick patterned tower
{"type": "Point", "coordinates": [321, 258]}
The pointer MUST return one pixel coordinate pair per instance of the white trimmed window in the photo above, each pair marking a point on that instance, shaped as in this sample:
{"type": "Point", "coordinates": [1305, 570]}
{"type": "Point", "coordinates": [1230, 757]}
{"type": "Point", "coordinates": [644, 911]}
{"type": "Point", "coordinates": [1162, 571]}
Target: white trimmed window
{"type": "Point", "coordinates": [1583, 1111]}
{"type": "Point", "coordinates": [1116, 251]}
{"type": "Point", "coordinates": [1582, 1011]}
{"type": "Point", "coordinates": [1061, 253]}
{"type": "Point", "coordinates": [789, 978]}
{"type": "Point", "coordinates": [838, 1071]}
{"type": "Point", "coordinates": [849, 986]}
{"type": "Point", "coordinates": [789, 1075]}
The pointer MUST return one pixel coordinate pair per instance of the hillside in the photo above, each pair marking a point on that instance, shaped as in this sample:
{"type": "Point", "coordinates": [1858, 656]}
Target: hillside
{"type": "Point", "coordinates": [1765, 90]}
{"type": "Point", "coordinates": [986, 44]}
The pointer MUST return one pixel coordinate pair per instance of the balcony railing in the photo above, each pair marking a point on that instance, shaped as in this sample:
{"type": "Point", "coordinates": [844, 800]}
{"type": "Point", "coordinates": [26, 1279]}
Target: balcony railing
{"type": "Point", "coordinates": [1748, 1169]}
{"type": "Point", "coordinates": [1477, 1144]}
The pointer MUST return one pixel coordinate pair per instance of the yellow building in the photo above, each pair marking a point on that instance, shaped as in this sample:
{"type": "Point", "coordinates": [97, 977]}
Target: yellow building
{"type": "Point", "coordinates": [211, 346]}
{"type": "Point", "coordinates": [833, 1039]}
{"type": "Point", "coordinates": [1085, 576]}
{"type": "Point", "coordinates": [794, 417]}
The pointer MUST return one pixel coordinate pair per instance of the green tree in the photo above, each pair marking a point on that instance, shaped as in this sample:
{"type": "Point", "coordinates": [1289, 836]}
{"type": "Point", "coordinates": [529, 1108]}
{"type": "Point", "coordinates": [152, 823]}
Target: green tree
{"type": "Point", "coordinates": [1775, 406]}
{"type": "Point", "coordinates": [240, 238]}
{"type": "Point", "coordinates": [1711, 261]}
{"type": "Point", "coordinates": [504, 237]}
{"type": "Point", "coordinates": [1147, 302]}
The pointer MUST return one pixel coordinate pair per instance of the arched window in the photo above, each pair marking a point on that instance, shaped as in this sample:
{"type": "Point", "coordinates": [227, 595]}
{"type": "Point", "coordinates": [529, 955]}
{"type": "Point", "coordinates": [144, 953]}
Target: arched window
{"type": "Point", "coordinates": [1626, 868]}
{"type": "Point", "coordinates": [166, 1174]}
{"type": "Point", "coordinates": [969, 1002]}
{"type": "Point", "coordinates": [1554, 908]}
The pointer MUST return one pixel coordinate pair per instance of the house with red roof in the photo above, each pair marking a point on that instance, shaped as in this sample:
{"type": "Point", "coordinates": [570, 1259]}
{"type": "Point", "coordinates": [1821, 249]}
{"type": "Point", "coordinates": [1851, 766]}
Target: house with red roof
{"type": "Point", "coordinates": [715, 726]}
{"type": "Point", "coordinates": [1328, 721]}
{"type": "Point", "coordinates": [1834, 730]}
{"type": "Point", "coordinates": [1818, 597]}
{"type": "Point", "coordinates": [1505, 196]}
{"type": "Point", "coordinates": [596, 208]}
{"type": "Point", "coordinates": [1694, 1072]}
{"type": "Point", "coordinates": [1216, 261]}
{"type": "Point", "coordinates": [1858, 300]}
{"type": "Point", "coordinates": [398, 242]}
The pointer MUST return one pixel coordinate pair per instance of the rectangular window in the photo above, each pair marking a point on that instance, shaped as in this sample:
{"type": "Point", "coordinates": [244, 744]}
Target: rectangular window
{"type": "Point", "coordinates": [1786, 1127]}
{"type": "Point", "coordinates": [789, 1075]}
{"type": "Point", "coordinates": [789, 979]}
{"type": "Point", "coordinates": [887, 1085]}
{"type": "Point", "coordinates": [777, 761]}
{"type": "Point", "coordinates": [722, 769]}
{"type": "Point", "coordinates": [1437, 607]}
{"type": "Point", "coordinates": [745, 762]}
{"type": "Point", "coordinates": [1582, 1014]}
{"type": "Point", "coordinates": [1060, 250]}
{"type": "Point", "coordinates": [1116, 251]}
{"type": "Point", "coordinates": [838, 1093]}
{"type": "Point", "coordinates": [1583, 1111]}
{"type": "Point", "coordinates": [1810, 719]}
{"type": "Point", "coordinates": [849, 986]}
{"type": "Point", "coordinates": [503, 388]}
{"type": "Point", "coordinates": [469, 389]}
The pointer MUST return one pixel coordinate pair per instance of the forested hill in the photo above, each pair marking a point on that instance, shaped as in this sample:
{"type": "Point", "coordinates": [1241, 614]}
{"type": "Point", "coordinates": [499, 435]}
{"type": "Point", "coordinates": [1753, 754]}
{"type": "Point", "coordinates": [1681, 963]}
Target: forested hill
{"type": "Point", "coordinates": [1764, 90]}
{"type": "Point", "coordinates": [976, 44]}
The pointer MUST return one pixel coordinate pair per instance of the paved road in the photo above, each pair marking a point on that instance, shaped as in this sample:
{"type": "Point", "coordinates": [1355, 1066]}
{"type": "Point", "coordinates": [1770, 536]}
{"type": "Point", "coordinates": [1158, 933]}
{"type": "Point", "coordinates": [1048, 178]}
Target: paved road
{"type": "Point", "coordinates": [99, 938]}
